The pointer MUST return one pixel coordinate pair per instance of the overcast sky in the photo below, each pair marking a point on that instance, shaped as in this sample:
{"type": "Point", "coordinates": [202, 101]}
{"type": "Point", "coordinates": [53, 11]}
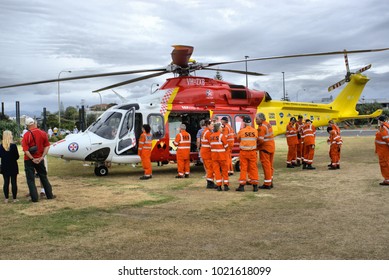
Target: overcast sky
{"type": "Point", "coordinates": [41, 38]}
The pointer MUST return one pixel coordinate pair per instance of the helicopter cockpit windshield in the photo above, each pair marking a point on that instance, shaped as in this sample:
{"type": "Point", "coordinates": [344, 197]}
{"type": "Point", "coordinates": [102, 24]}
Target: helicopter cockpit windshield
{"type": "Point", "coordinates": [107, 126]}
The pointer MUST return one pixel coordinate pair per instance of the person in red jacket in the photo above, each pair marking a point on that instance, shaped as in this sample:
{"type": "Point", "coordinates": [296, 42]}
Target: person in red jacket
{"type": "Point", "coordinates": [182, 142]}
{"type": "Point", "coordinates": [36, 145]}
{"type": "Point", "coordinates": [266, 147]}
{"type": "Point", "coordinates": [144, 151]}
{"type": "Point", "coordinates": [292, 141]}
{"type": "Point", "coordinates": [309, 135]}
{"type": "Point", "coordinates": [382, 149]}
{"type": "Point", "coordinates": [219, 153]}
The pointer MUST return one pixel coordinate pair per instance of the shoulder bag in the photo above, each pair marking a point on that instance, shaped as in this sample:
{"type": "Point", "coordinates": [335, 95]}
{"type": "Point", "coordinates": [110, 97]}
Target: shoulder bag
{"type": "Point", "coordinates": [34, 148]}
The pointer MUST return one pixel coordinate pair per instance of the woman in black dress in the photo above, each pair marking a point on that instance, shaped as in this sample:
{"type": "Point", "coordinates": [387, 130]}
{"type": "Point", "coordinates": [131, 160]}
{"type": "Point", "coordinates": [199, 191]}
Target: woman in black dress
{"type": "Point", "coordinates": [9, 164]}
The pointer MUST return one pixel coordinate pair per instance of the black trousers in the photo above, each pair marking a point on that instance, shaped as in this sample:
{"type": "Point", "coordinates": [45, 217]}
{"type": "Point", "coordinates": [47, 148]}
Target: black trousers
{"type": "Point", "coordinates": [13, 179]}
{"type": "Point", "coordinates": [30, 167]}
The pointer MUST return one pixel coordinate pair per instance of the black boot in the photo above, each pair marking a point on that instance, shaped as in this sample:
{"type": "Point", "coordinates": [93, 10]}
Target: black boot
{"type": "Point", "coordinates": [226, 188]}
{"type": "Point", "coordinates": [255, 188]}
{"type": "Point", "coordinates": [304, 165]}
{"type": "Point", "coordinates": [310, 167]}
{"type": "Point", "coordinates": [240, 188]}
{"type": "Point", "coordinates": [219, 188]}
{"type": "Point", "coordinates": [210, 185]}
{"type": "Point", "coordinates": [289, 165]}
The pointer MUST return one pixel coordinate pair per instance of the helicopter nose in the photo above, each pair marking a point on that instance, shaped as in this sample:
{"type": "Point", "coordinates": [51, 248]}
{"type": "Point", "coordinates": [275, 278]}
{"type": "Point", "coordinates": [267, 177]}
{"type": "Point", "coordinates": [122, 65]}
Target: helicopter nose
{"type": "Point", "coordinates": [58, 149]}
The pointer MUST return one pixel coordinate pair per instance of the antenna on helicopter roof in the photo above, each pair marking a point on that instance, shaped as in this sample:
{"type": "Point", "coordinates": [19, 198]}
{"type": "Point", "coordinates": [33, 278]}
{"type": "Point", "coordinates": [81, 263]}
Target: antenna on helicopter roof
{"type": "Point", "coordinates": [122, 98]}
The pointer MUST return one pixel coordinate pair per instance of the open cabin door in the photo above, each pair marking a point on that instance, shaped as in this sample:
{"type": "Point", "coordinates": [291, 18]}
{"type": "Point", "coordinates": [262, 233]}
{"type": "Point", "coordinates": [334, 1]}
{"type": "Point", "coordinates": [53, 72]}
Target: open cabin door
{"type": "Point", "coordinates": [127, 139]}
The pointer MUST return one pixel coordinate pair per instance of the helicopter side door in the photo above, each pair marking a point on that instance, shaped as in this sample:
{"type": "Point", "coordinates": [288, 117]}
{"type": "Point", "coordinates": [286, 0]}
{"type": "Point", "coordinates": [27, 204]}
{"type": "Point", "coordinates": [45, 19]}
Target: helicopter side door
{"type": "Point", "coordinates": [127, 137]}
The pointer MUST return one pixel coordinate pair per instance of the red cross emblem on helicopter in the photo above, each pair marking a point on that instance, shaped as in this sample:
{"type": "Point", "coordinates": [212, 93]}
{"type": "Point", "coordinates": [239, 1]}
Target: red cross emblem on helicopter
{"type": "Point", "coordinates": [73, 147]}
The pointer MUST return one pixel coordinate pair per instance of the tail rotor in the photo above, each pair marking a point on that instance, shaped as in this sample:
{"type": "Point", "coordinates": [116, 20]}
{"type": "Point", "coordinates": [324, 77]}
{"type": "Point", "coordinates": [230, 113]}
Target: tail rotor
{"type": "Point", "coordinates": [348, 73]}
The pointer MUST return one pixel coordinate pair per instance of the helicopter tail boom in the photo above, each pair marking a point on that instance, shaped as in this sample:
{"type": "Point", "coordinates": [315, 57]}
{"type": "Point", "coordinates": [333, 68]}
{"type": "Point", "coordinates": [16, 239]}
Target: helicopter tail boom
{"type": "Point", "coordinates": [347, 99]}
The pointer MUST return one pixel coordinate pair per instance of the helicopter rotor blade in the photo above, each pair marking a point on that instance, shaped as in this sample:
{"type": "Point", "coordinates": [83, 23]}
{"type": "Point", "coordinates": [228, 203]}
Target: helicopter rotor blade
{"type": "Point", "coordinates": [346, 61]}
{"type": "Point", "coordinates": [85, 77]}
{"type": "Point", "coordinates": [298, 55]}
{"type": "Point", "coordinates": [132, 81]}
{"type": "Point", "coordinates": [338, 84]}
{"type": "Point", "coordinates": [363, 69]}
{"type": "Point", "coordinates": [235, 71]}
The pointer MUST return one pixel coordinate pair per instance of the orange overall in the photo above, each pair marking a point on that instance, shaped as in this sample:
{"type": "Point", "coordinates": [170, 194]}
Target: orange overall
{"type": "Point", "coordinates": [229, 134]}
{"type": "Point", "coordinates": [382, 150]}
{"type": "Point", "coordinates": [205, 153]}
{"type": "Point", "coordinates": [266, 147]}
{"type": "Point", "coordinates": [182, 141]}
{"type": "Point", "coordinates": [292, 141]}
{"type": "Point", "coordinates": [300, 148]}
{"type": "Point", "coordinates": [309, 132]}
{"type": "Point", "coordinates": [335, 142]}
{"type": "Point", "coordinates": [144, 151]}
{"type": "Point", "coordinates": [219, 152]}
{"type": "Point", "coordinates": [248, 155]}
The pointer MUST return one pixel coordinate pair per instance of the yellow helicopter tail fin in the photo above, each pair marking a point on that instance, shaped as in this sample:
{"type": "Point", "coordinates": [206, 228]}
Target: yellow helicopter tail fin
{"type": "Point", "coordinates": [347, 99]}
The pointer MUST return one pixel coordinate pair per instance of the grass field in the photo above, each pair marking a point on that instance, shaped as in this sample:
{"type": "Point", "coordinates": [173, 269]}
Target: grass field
{"type": "Point", "coordinates": [320, 214]}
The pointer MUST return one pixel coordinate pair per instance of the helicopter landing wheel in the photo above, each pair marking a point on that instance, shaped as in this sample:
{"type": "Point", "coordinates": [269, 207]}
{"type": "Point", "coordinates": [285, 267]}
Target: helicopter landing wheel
{"type": "Point", "coordinates": [101, 171]}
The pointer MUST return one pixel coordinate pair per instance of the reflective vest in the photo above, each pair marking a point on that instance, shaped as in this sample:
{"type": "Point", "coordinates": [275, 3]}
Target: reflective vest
{"type": "Point", "coordinates": [266, 137]}
{"type": "Point", "coordinates": [384, 129]}
{"type": "Point", "coordinates": [229, 133]}
{"type": "Point", "coordinates": [381, 146]}
{"type": "Point", "coordinates": [205, 150]}
{"type": "Point", "coordinates": [336, 128]}
{"type": "Point", "coordinates": [291, 134]}
{"type": "Point", "coordinates": [145, 142]}
{"type": "Point", "coordinates": [219, 146]}
{"type": "Point", "coordinates": [309, 132]}
{"type": "Point", "coordinates": [248, 138]}
{"type": "Point", "coordinates": [335, 138]}
{"type": "Point", "coordinates": [182, 142]}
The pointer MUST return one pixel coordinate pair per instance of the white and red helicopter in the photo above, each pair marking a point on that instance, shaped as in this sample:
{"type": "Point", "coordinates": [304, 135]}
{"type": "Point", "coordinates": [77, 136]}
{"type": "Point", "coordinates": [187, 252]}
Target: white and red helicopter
{"type": "Point", "coordinates": [112, 138]}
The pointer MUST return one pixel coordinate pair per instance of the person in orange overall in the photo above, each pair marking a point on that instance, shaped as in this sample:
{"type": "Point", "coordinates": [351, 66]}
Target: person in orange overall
{"type": "Point", "coordinates": [266, 147]}
{"type": "Point", "coordinates": [300, 147]}
{"type": "Point", "coordinates": [308, 136]}
{"type": "Point", "coordinates": [229, 133]}
{"type": "Point", "coordinates": [205, 152]}
{"type": "Point", "coordinates": [248, 156]}
{"type": "Point", "coordinates": [335, 142]}
{"type": "Point", "coordinates": [144, 151]}
{"type": "Point", "coordinates": [219, 152]}
{"type": "Point", "coordinates": [332, 124]}
{"type": "Point", "coordinates": [292, 141]}
{"type": "Point", "coordinates": [182, 142]}
{"type": "Point", "coordinates": [382, 149]}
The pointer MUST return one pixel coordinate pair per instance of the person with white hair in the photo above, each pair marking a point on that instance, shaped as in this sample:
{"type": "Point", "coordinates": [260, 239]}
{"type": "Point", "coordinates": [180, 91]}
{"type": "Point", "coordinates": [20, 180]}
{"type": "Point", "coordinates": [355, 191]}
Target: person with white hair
{"type": "Point", "coordinates": [182, 142]}
{"type": "Point", "coordinates": [36, 145]}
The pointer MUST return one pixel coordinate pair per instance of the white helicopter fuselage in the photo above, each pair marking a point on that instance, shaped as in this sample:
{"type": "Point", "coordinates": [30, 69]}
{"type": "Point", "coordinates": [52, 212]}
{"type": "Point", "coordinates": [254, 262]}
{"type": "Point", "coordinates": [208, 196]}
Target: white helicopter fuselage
{"type": "Point", "coordinates": [111, 139]}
